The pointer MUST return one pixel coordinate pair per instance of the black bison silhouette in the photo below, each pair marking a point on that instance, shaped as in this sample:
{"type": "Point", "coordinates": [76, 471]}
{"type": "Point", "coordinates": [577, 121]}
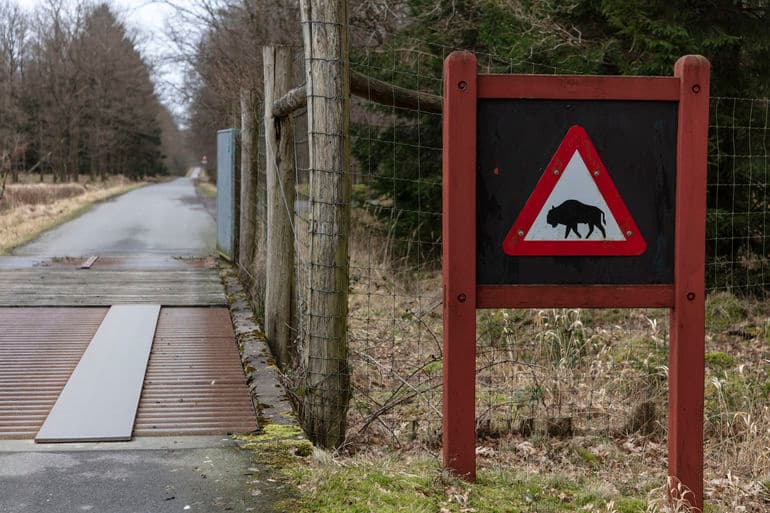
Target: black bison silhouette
{"type": "Point", "coordinates": [572, 212]}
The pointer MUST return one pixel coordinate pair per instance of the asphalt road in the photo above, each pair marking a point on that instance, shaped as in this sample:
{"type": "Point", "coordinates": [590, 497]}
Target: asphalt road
{"type": "Point", "coordinates": [163, 219]}
{"type": "Point", "coordinates": [147, 475]}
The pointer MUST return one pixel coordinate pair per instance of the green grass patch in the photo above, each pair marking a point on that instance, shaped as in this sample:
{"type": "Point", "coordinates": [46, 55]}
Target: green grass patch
{"type": "Point", "coordinates": [389, 484]}
{"type": "Point", "coordinates": [723, 311]}
{"type": "Point", "coordinates": [718, 361]}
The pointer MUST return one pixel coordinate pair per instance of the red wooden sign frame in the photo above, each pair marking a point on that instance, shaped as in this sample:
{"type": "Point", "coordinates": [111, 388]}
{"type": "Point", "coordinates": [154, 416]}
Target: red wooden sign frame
{"type": "Point", "coordinates": [689, 86]}
{"type": "Point", "coordinates": [515, 243]}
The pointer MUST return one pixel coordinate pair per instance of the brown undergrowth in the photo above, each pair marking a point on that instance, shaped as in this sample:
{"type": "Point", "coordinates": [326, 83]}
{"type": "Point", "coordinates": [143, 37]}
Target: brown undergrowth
{"type": "Point", "coordinates": [565, 392]}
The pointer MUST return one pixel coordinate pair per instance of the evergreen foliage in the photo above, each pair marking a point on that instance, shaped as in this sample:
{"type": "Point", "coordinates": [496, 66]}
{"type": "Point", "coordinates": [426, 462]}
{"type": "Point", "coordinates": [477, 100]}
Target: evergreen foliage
{"type": "Point", "coordinates": [625, 37]}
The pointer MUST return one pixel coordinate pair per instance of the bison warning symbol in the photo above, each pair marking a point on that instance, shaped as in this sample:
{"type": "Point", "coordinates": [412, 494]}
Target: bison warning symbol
{"type": "Point", "coordinates": [575, 209]}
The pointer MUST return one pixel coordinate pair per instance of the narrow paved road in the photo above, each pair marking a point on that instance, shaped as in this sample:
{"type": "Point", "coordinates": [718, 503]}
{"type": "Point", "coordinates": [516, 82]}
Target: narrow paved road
{"type": "Point", "coordinates": [163, 219]}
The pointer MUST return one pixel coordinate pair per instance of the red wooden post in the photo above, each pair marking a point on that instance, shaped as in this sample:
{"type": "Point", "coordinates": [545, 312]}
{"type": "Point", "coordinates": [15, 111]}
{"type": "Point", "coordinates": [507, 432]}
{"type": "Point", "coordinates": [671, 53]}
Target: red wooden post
{"type": "Point", "coordinates": [687, 333]}
{"type": "Point", "coordinates": [459, 264]}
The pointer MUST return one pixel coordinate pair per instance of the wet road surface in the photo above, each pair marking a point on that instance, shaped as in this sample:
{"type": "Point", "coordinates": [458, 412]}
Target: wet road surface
{"type": "Point", "coordinates": [163, 219]}
{"type": "Point", "coordinates": [158, 475]}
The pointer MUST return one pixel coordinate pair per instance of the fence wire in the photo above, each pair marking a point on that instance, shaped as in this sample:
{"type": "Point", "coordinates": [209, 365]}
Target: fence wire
{"type": "Point", "coordinates": [737, 228]}
{"type": "Point", "coordinates": [552, 372]}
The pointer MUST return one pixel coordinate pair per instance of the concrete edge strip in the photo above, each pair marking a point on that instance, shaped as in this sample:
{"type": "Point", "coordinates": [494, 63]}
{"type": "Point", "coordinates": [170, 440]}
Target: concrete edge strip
{"type": "Point", "coordinates": [262, 376]}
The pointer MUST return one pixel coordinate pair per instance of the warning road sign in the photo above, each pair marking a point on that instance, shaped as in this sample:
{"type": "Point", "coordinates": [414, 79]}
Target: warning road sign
{"type": "Point", "coordinates": [575, 209]}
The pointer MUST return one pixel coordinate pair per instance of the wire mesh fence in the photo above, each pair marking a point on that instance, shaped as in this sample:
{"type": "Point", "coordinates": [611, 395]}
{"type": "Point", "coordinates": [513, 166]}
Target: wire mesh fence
{"type": "Point", "coordinates": [555, 372]}
{"type": "Point", "coordinates": [737, 235]}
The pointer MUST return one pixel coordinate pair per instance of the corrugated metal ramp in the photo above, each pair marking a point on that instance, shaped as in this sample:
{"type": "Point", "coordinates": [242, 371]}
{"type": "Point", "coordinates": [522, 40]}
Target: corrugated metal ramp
{"type": "Point", "coordinates": [194, 383]}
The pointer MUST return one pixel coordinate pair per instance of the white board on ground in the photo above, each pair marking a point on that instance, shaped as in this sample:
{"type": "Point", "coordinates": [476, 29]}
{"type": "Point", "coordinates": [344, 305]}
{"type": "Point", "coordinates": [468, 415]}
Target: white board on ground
{"type": "Point", "coordinates": [99, 401]}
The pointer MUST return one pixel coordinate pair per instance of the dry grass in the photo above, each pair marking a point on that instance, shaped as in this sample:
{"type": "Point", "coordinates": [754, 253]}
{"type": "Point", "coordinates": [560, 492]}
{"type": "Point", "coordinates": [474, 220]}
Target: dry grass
{"type": "Point", "coordinates": [30, 209]}
{"type": "Point", "coordinates": [207, 189]}
{"type": "Point", "coordinates": [560, 391]}
{"type": "Point", "coordinates": [17, 195]}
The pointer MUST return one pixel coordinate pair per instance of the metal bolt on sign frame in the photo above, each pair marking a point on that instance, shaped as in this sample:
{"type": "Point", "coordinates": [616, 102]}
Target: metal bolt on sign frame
{"type": "Point", "coordinates": [684, 295]}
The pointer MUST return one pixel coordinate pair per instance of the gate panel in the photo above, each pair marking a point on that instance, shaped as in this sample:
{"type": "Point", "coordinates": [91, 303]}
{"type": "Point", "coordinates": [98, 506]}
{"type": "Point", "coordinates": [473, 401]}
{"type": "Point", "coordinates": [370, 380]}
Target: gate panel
{"type": "Point", "coordinates": [226, 192]}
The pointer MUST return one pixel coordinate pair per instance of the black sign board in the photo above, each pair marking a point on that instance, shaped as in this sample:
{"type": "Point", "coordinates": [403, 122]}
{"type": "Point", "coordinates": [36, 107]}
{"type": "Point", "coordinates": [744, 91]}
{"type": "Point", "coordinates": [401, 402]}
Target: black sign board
{"type": "Point", "coordinates": [516, 139]}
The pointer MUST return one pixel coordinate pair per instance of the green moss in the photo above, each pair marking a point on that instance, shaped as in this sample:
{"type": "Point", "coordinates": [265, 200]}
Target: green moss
{"type": "Point", "coordinates": [718, 361]}
{"type": "Point", "coordinates": [272, 432]}
{"type": "Point", "coordinates": [419, 485]}
{"type": "Point", "coordinates": [724, 310]}
{"type": "Point", "coordinates": [587, 457]}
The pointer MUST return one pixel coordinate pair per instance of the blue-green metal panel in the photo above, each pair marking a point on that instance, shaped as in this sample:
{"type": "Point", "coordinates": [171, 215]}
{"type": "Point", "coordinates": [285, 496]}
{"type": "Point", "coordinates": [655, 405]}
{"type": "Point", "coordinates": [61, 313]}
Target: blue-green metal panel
{"type": "Point", "coordinates": [226, 149]}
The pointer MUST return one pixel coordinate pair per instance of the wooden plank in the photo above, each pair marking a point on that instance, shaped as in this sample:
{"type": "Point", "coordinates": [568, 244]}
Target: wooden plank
{"type": "Point", "coordinates": [99, 401]}
{"type": "Point", "coordinates": [459, 264]}
{"type": "Point", "coordinates": [687, 332]}
{"type": "Point", "coordinates": [99, 287]}
{"type": "Point", "coordinates": [579, 87]}
{"type": "Point", "coordinates": [574, 296]}
{"type": "Point", "coordinates": [88, 263]}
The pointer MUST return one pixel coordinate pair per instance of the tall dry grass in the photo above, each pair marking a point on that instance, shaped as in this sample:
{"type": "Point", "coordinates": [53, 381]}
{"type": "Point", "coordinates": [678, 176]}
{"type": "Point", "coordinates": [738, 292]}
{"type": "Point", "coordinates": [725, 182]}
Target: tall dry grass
{"type": "Point", "coordinates": [38, 194]}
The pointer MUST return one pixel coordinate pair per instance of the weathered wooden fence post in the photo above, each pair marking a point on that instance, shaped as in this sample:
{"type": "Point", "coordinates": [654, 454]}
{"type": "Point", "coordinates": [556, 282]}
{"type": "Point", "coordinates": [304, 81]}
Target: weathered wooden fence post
{"type": "Point", "coordinates": [247, 233]}
{"type": "Point", "coordinates": [279, 152]}
{"type": "Point", "coordinates": [325, 345]}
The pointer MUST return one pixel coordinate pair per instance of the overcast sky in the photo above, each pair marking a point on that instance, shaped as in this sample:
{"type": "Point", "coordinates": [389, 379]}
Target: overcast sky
{"type": "Point", "coordinates": [148, 19]}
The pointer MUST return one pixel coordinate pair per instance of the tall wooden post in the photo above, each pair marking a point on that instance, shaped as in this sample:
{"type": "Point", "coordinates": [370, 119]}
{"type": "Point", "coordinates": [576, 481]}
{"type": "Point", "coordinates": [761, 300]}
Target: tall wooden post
{"type": "Point", "coordinates": [459, 264]}
{"type": "Point", "coordinates": [248, 186]}
{"type": "Point", "coordinates": [687, 332]}
{"type": "Point", "coordinates": [279, 158]}
{"type": "Point", "coordinates": [327, 393]}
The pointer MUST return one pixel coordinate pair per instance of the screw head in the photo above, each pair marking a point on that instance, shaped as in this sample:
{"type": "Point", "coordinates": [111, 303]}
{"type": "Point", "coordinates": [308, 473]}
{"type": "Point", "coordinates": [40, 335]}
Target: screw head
{"type": "Point", "coordinates": [596, 173]}
{"type": "Point", "coordinates": [628, 233]}
{"type": "Point", "coordinates": [462, 85]}
{"type": "Point", "coordinates": [696, 88]}
{"type": "Point", "coordinates": [521, 233]}
{"type": "Point", "coordinates": [690, 296]}
{"type": "Point", "coordinates": [461, 297]}
{"type": "Point", "coordinates": [556, 172]}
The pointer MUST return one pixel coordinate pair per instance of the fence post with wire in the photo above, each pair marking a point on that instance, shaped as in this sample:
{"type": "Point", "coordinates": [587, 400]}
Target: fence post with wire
{"type": "Point", "coordinates": [352, 308]}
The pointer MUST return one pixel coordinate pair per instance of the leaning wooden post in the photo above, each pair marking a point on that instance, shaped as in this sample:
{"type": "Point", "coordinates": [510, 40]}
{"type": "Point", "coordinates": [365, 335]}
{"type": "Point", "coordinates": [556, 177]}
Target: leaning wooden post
{"type": "Point", "coordinates": [687, 332]}
{"type": "Point", "coordinates": [279, 158]}
{"type": "Point", "coordinates": [248, 187]}
{"type": "Point", "coordinates": [327, 379]}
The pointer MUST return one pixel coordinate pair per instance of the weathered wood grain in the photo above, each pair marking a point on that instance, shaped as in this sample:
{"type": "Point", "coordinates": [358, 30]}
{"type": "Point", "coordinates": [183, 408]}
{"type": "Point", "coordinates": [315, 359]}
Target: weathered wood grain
{"type": "Point", "coordinates": [69, 287]}
{"type": "Point", "coordinates": [327, 70]}
{"type": "Point", "coordinates": [279, 158]}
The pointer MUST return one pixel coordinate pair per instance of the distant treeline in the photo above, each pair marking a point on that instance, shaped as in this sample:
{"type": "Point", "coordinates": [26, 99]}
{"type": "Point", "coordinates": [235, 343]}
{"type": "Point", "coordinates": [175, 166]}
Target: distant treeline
{"type": "Point", "coordinates": [76, 97]}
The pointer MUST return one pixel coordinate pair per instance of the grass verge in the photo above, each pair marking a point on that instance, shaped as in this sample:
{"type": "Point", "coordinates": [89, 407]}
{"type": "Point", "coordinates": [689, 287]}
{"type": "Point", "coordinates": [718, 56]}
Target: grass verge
{"type": "Point", "coordinates": [389, 482]}
{"type": "Point", "coordinates": [206, 189]}
{"type": "Point", "coordinates": [21, 224]}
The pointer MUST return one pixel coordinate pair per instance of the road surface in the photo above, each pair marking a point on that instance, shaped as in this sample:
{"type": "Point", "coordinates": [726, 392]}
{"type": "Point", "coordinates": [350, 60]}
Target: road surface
{"type": "Point", "coordinates": [163, 219]}
{"type": "Point", "coordinates": [153, 474]}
